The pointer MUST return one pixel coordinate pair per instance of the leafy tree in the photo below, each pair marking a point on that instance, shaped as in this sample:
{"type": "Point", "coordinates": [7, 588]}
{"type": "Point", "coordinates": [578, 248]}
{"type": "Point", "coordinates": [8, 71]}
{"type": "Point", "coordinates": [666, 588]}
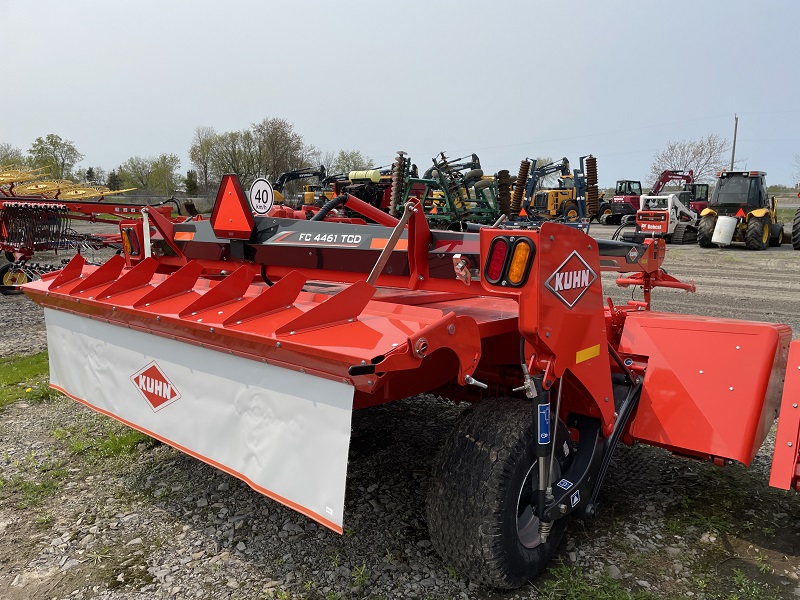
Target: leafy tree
{"type": "Point", "coordinates": [164, 178]}
{"type": "Point", "coordinates": [57, 154]}
{"type": "Point", "coordinates": [350, 160]}
{"type": "Point", "coordinates": [191, 182]}
{"type": "Point", "coordinates": [705, 157]}
{"type": "Point", "coordinates": [10, 155]}
{"type": "Point", "coordinates": [200, 153]}
{"type": "Point", "coordinates": [136, 172]}
{"type": "Point", "coordinates": [280, 148]}
{"type": "Point", "coordinates": [91, 176]}
{"type": "Point", "coordinates": [99, 176]}
{"type": "Point", "coordinates": [113, 181]}
{"type": "Point", "coordinates": [320, 157]}
{"type": "Point", "coordinates": [235, 152]}
{"type": "Point", "coordinates": [266, 149]}
{"type": "Point", "coordinates": [151, 173]}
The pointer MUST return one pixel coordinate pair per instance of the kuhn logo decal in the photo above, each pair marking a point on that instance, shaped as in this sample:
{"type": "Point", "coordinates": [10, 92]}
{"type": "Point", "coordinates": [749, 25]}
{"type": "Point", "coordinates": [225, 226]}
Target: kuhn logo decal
{"type": "Point", "coordinates": [155, 387]}
{"type": "Point", "coordinates": [571, 280]}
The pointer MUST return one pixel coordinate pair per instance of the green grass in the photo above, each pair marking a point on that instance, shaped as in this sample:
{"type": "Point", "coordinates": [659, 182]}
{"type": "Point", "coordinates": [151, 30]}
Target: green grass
{"type": "Point", "coordinates": [32, 493]}
{"type": "Point", "coordinates": [95, 446]}
{"type": "Point", "coordinates": [569, 583]}
{"type": "Point", "coordinates": [125, 443]}
{"type": "Point", "coordinates": [786, 215]}
{"type": "Point", "coordinates": [24, 377]}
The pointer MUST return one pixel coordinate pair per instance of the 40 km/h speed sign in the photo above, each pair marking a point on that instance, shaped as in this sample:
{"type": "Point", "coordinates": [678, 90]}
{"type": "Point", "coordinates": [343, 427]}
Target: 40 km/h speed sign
{"type": "Point", "coordinates": [261, 196]}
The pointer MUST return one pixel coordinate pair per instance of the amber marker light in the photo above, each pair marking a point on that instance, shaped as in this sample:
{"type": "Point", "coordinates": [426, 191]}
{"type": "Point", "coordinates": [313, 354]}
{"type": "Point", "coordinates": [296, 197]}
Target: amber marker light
{"type": "Point", "coordinates": [520, 263]}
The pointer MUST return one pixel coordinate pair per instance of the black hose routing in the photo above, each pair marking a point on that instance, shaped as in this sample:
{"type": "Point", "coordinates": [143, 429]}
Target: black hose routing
{"type": "Point", "coordinates": [329, 206]}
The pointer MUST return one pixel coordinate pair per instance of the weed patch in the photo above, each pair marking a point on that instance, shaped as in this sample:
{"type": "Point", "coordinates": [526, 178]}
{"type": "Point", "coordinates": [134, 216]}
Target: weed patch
{"type": "Point", "coordinates": [109, 444]}
{"type": "Point", "coordinates": [24, 377]}
{"type": "Point", "coordinates": [571, 583]}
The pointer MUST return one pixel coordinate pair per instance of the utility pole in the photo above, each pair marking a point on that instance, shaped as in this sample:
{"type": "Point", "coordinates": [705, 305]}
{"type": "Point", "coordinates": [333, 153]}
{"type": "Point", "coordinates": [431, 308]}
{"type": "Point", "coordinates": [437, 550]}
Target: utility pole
{"type": "Point", "coordinates": [735, 128]}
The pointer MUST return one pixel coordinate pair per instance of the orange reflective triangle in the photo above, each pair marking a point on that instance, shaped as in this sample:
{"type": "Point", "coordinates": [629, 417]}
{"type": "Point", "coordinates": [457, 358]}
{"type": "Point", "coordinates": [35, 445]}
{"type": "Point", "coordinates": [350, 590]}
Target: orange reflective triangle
{"type": "Point", "coordinates": [740, 213]}
{"type": "Point", "coordinates": [522, 212]}
{"type": "Point", "coordinates": [232, 217]}
{"type": "Point", "coordinates": [434, 210]}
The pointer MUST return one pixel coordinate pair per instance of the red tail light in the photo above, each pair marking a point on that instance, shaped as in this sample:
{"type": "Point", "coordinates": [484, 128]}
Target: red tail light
{"type": "Point", "coordinates": [498, 252]}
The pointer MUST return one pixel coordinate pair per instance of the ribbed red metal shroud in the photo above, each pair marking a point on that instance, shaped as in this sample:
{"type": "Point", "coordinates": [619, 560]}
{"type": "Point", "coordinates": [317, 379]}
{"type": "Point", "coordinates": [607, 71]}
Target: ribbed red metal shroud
{"type": "Point", "coordinates": [324, 334]}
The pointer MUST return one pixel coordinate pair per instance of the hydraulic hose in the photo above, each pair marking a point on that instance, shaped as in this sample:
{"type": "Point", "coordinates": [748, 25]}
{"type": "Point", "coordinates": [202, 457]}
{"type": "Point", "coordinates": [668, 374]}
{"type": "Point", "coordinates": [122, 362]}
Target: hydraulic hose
{"type": "Point", "coordinates": [174, 201]}
{"type": "Point", "coordinates": [329, 206]}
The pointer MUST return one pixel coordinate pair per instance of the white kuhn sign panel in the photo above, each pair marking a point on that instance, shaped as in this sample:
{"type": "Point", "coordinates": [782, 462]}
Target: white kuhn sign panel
{"type": "Point", "coordinates": [285, 433]}
{"type": "Point", "coordinates": [571, 280]}
{"type": "Point", "coordinates": [155, 386]}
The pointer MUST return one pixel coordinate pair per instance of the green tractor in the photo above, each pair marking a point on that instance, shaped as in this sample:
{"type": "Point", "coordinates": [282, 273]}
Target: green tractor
{"type": "Point", "coordinates": [740, 210]}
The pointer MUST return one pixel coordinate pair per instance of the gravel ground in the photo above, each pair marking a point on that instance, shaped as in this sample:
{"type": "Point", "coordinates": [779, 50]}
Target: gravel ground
{"type": "Point", "coordinates": [80, 518]}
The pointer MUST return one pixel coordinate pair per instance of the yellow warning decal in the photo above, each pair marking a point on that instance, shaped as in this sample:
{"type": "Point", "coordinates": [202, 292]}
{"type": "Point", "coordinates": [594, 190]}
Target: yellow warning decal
{"type": "Point", "coordinates": [587, 353]}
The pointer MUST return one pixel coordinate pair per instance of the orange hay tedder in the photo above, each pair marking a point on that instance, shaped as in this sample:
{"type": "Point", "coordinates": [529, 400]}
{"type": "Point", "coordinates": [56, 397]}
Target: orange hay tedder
{"type": "Point", "coordinates": [247, 340]}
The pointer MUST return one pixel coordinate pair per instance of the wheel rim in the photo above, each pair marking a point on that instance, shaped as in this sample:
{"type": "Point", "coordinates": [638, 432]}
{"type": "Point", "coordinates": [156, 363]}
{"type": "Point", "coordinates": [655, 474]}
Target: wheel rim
{"type": "Point", "coordinates": [572, 214]}
{"type": "Point", "coordinates": [15, 277]}
{"type": "Point", "coordinates": [527, 522]}
{"type": "Point", "coordinates": [765, 234]}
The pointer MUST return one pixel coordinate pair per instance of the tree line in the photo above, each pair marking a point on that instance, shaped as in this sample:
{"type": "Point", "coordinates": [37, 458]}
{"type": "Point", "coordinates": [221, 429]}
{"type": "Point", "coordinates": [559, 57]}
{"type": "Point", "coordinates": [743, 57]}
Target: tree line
{"type": "Point", "coordinates": [265, 149]}
{"type": "Point", "coordinates": [271, 147]}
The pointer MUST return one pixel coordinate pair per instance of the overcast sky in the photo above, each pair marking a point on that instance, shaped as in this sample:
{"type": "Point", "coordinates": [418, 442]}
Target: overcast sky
{"type": "Point", "coordinates": [508, 80]}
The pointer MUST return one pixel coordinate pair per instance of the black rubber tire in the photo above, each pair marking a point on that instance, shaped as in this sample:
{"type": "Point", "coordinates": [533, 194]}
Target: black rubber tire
{"type": "Point", "coordinates": [796, 230]}
{"type": "Point", "coordinates": [482, 184]}
{"type": "Point", "coordinates": [476, 489]}
{"type": "Point", "coordinates": [777, 241]}
{"type": "Point", "coordinates": [7, 277]}
{"type": "Point", "coordinates": [757, 235]}
{"type": "Point", "coordinates": [9, 256]}
{"type": "Point", "coordinates": [605, 209]}
{"type": "Point", "coordinates": [705, 231]}
{"type": "Point", "coordinates": [473, 176]}
{"type": "Point", "coordinates": [611, 219]}
{"type": "Point", "coordinates": [570, 212]}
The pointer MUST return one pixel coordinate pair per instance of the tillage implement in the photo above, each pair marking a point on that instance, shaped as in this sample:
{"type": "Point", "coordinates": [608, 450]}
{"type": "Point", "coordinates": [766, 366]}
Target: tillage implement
{"type": "Point", "coordinates": [36, 215]}
{"type": "Point", "coordinates": [247, 341]}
